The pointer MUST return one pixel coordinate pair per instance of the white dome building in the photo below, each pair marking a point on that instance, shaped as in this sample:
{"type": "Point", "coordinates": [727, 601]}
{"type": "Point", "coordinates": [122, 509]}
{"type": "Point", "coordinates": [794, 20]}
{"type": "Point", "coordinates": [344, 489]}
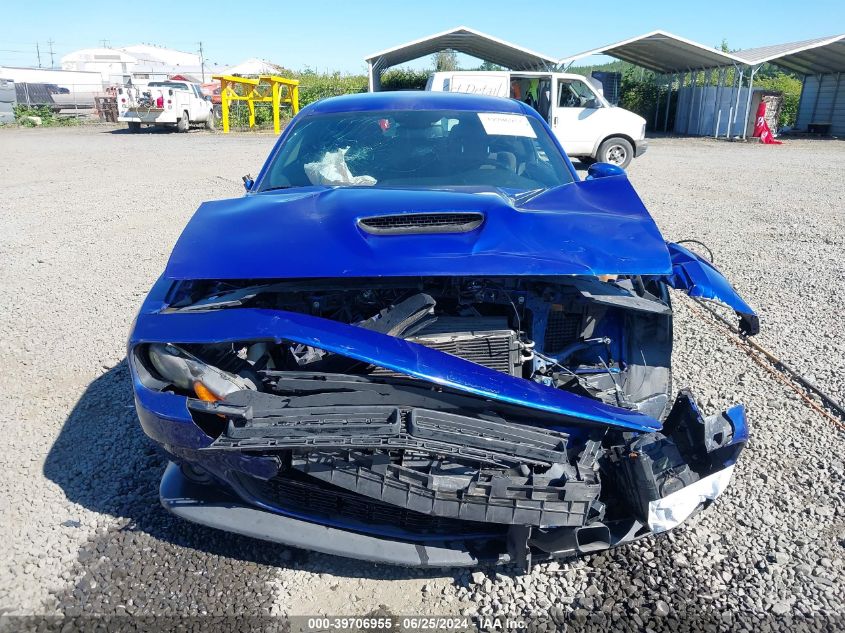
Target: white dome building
{"type": "Point", "coordinates": [139, 63]}
{"type": "Point", "coordinates": [114, 65]}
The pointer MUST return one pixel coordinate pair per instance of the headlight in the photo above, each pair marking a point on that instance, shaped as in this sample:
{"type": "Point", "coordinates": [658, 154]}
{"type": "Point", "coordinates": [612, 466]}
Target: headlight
{"type": "Point", "coordinates": [188, 372]}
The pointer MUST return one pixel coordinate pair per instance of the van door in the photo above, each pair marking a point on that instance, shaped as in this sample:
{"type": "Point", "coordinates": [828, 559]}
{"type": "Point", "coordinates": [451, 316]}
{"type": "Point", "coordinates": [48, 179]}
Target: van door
{"type": "Point", "coordinates": [577, 118]}
{"type": "Point", "coordinates": [535, 90]}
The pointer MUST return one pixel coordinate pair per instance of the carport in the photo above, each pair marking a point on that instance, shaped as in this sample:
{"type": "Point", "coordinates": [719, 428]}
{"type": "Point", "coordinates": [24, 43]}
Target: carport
{"type": "Point", "coordinates": [702, 108]}
{"type": "Point", "coordinates": [463, 40]}
{"type": "Point", "coordinates": [821, 61]}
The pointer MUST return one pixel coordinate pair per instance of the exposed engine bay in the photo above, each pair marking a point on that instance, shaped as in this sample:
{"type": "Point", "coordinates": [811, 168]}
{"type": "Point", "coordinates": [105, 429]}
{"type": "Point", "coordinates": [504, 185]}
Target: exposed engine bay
{"type": "Point", "coordinates": [609, 340]}
{"type": "Point", "coordinates": [386, 452]}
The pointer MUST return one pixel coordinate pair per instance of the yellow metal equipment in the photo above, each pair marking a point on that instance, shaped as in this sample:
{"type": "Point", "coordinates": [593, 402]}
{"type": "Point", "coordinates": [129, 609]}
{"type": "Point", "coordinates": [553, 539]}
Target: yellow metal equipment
{"type": "Point", "coordinates": [255, 91]}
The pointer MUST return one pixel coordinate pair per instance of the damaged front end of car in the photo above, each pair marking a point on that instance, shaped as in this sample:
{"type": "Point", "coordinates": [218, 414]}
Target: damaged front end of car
{"type": "Point", "coordinates": [429, 420]}
{"type": "Point", "coordinates": [456, 353]}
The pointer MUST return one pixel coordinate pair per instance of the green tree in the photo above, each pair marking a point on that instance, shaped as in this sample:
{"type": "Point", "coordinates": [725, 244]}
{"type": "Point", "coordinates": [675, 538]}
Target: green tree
{"type": "Point", "coordinates": [445, 60]}
{"type": "Point", "coordinates": [787, 84]}
{"type": "Point", "coordinates": [489, 66]}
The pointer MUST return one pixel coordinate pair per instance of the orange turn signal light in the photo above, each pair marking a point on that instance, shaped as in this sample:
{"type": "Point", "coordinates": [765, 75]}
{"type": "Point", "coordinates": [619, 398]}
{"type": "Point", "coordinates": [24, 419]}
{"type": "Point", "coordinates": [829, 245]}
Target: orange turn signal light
{"type": "Point", "coordinates": [204, 393]}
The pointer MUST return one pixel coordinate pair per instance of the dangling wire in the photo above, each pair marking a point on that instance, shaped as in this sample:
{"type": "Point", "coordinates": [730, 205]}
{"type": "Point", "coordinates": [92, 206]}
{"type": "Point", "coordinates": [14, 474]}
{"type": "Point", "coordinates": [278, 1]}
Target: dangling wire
{"type": "Point", "coordinates": [702, 245]}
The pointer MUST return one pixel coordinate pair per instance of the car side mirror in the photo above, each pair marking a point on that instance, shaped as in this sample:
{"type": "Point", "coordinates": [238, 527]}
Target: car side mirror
{"type": "Point", "coordinates": [207, 98]}
{"type": "Point", "coordinates": [248, 182]}
{"type": "Point", "coordinates": [592, 104]}
{"type": "Point", "coordinates": [603, 170]}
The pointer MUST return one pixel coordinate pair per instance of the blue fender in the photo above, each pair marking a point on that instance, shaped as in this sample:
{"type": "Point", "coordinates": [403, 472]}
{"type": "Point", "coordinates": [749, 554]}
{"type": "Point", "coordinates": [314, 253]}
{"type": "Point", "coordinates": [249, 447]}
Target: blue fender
{"type": "Point", "coordinates": [699, 278]}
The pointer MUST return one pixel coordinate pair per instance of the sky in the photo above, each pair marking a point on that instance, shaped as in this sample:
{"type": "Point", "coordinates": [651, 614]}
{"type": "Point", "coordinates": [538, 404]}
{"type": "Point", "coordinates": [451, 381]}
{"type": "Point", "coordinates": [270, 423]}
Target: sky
{"type": "Point", "coordinates": [329, 35]}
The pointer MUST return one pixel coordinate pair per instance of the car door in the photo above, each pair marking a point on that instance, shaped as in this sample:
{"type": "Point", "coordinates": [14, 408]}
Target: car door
{"type": "Point", "coordinates": [577, 117]}
{"type": "Point", "coordinates": [199, 106]}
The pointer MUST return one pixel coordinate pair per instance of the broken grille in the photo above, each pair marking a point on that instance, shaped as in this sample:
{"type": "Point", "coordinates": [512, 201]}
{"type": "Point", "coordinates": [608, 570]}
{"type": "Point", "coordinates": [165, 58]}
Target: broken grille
{"type": "Point", "coordinates": [320, 500]}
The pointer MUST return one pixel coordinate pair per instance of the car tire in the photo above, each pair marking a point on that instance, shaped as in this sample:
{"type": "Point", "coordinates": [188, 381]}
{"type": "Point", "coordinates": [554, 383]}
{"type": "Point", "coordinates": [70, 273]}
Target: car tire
{"type": "Point", "coordinates": [184, 123]}
{"type": "Point", "coordinates": [616, 151]}
{"type": "Point", "coordinates": [134, 126]}
{"type": "Point", "coordinates": [209, 122]}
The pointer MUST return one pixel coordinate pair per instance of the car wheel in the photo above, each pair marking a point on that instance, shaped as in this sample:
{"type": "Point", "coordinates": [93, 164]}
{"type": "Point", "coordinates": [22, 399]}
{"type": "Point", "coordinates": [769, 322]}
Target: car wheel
{"type": "Point", "coordinates": [209, 121]}
{"type": "Point", "coordinates": [184, 123]}
{"type": "Point", "coordinates": [616, 151]}
{"type": "Point", "coordinates": [134, 126]}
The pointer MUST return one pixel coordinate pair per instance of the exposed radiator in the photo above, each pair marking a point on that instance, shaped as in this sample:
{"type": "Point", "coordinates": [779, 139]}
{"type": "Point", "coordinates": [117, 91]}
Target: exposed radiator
{"type": "Point", "coordinates": [486, 341]}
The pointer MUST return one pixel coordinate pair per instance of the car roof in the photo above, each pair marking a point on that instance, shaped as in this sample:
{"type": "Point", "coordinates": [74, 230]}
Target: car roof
{"type": "Point", "coordinates": [415, 100]}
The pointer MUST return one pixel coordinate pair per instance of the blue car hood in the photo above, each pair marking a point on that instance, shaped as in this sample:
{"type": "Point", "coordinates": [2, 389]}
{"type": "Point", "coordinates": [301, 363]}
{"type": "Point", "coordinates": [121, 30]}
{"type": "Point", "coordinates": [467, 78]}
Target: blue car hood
{"type": "Point", "coordinates": [584, 228]}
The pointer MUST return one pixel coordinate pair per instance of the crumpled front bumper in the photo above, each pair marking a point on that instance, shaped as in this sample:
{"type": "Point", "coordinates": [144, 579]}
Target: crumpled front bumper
{"type": "Point", "coordinates": [212, 506]}
{"type": "Point", "coordinates": [224, 501]}
{"type": "Point", "coordinates": [661, 475]}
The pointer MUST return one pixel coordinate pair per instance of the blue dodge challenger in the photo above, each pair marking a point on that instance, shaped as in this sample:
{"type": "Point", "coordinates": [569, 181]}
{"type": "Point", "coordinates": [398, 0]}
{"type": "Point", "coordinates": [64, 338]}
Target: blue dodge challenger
{"type": "Point", "coordinates": [421, 339]}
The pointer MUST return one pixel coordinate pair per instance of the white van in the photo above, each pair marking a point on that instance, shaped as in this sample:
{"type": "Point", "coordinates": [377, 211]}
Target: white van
{"type": "Point", "coordinates": [588, 127]}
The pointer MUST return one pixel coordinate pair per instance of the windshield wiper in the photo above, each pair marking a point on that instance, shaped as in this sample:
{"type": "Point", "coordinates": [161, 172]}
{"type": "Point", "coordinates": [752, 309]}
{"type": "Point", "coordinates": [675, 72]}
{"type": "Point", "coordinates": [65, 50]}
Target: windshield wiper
{"type": "Point", "coordinates": [276, 188]}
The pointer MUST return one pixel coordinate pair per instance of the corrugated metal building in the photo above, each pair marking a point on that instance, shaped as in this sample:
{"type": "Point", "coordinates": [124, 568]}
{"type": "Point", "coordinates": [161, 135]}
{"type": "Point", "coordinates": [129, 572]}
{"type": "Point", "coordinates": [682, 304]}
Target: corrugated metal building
{"type": "Point", "coordinates": [822, 62]}
{"type": "Point", "coordinates": [690, 70]}
{"type": "Point", "coordinates": [708, 91]}
{"type": "Point", "coordinates": [822, 105]}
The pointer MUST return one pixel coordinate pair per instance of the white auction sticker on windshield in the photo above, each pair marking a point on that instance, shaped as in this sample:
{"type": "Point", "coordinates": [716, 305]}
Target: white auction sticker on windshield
{"type": "Point", "coordinates": [506, 124]}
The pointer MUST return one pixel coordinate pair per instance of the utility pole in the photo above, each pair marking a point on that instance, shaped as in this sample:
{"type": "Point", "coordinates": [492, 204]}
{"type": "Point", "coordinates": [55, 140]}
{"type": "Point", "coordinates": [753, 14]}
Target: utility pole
{"type": "Point", "coordinates": [38, 53]}
{"type": "Point", "coordinates": [202, 62]}
{"type": "Point", "coordinates": [105, 43]}
{"type": "Point", "coordinates": [50, 43]}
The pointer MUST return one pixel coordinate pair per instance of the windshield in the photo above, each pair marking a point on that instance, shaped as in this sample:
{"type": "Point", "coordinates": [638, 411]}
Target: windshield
{"type": "Point", "coordinates": [167, 84]}
{"type": "Point", "coordinates": [418, 148]}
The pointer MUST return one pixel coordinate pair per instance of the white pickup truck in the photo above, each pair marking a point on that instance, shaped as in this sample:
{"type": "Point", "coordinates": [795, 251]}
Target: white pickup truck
{"type": "Point", "coordinates": [587, 126]}
{"type": "Point", "coordinates": [164, 103]}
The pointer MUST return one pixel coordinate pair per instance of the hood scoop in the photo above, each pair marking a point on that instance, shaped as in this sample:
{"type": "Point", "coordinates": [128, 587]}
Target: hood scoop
{"type": "Point", "coordinates": [421, 223]}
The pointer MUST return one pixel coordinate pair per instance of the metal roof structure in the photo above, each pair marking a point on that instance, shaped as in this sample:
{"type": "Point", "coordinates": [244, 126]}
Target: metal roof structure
{"type": "Point", "coordinates": [808, 57]}
{"type": "Point", "coordinates": [662, 52]}
{"type": "Point", "coordinates": [678, 59]}
{"type": "Point", "coordinates": [463, 40]}
{"type": "Point", "coordinates": [252, 66]}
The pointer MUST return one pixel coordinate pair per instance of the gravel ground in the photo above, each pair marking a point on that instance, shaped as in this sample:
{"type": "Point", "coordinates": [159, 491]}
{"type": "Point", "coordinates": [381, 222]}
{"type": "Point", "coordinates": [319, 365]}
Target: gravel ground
{"type": "Point", "coordinates": [90, 215]}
